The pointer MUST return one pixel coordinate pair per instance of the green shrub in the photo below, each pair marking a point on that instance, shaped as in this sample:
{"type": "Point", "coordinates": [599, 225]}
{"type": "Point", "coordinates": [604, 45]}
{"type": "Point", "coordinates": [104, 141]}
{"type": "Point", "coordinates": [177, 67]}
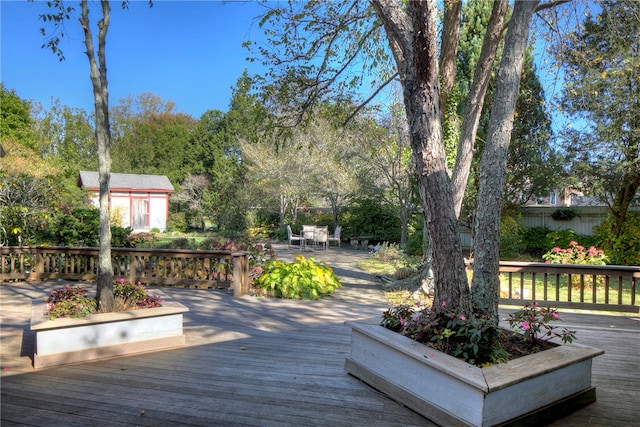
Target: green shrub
{"type": "Point", "coordinates": [511, 238]}
{"type": "Point", "coordinates": [369, 217]}
{"type": "Point", "coordinates": [625, 250]}
{"type": "Point", "coordinates": [177, 222]}
{"type": "Point", "coordinates": [389, 253]}
{"type": "Point", "coordinates": [537, 241]}
{"type": "Point", "coordinates": [303, 278]}
{"type": "Point", "coordinates": [565, 237]}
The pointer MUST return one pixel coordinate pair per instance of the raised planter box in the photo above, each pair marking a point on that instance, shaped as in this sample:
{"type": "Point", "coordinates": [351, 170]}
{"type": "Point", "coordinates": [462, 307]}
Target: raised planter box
{"type": "Point", "coordinates": [530, 390]}
{"type": "Point", "coordinates": [98, 336]}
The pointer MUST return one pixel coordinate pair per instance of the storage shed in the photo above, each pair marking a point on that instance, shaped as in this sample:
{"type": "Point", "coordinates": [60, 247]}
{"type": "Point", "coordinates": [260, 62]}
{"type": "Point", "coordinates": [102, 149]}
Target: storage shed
{"type": "Point", "coordinates": [140, 201]}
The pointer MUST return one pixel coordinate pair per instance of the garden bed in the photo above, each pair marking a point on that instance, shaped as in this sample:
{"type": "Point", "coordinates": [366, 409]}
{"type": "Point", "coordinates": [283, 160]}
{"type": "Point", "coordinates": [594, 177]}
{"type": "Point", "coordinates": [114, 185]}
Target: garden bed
{"type": "Point", "coordinates": [530, 390]}
{"type": "Point", "coordinates": [97, 336]}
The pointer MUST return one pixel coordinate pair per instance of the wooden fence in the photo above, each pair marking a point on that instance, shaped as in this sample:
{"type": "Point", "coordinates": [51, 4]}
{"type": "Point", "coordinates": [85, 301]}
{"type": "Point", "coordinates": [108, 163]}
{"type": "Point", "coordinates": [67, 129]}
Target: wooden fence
{"type": "Point", "coordinates": [587, 287]}
{"type": "Point", "coordinates": [213, 269]}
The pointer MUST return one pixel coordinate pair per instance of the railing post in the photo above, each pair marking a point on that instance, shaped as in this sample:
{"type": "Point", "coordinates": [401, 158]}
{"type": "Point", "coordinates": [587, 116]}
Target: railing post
{"type": "Point", "coordinates": [133, 267]}
{"type": "Point", "coordinates": [35, 275]}
{"type": "Point", "coordinates": [240, 274]}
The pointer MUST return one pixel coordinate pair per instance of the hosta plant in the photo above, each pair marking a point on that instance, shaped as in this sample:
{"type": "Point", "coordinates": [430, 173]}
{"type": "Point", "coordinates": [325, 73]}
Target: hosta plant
{"type": "Point", "coordinates": [302, 278]}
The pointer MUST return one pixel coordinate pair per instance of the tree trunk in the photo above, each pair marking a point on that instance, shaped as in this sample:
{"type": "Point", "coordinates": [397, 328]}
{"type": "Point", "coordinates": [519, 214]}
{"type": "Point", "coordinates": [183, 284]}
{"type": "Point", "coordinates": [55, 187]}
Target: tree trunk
{"type": "Point", "coordinates": [98, 75]}
{"type": "Point", "coordinates": [448, 57]}
{"type": "Point", "coordinates": [486, 284]}
{"type": "Point", "coordinates": [413, 41]}
{"type": "Point", "coordinates": [475, 101]}
{"type": "Point", "coordinates": [624, 197]}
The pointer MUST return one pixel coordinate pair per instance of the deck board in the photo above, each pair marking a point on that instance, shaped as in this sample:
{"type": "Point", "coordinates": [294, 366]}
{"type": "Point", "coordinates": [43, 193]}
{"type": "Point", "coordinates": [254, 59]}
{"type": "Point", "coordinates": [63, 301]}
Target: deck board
{"type": "Point", "coordinates": [262, 362]}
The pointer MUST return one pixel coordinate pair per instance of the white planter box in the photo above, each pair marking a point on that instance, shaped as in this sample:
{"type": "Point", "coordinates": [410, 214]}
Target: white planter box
{"type": "Point", "coordinates": [98, 336]}
{"type": "Point", "coordinates": [451, 392]}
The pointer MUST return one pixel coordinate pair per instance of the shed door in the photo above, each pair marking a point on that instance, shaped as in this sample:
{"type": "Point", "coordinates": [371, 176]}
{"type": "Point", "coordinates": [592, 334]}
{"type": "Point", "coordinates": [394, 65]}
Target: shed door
{"type": "Point", "coordinates": [140, 213]}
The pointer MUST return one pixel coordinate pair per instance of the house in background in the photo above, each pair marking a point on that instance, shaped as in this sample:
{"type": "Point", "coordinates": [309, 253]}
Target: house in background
{"type": "Point", "coordinates": [140, 201]}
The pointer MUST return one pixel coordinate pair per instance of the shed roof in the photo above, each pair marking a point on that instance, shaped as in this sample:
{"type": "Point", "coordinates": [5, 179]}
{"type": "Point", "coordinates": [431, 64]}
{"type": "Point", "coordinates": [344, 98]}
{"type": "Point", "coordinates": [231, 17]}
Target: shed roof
{"type": "Point", "coordinates": [127, 182]}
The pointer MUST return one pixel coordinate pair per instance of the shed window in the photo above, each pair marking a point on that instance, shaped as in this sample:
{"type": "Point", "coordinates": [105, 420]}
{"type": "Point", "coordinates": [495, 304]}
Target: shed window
{"type": "Point", "coordinates": [140, 213]}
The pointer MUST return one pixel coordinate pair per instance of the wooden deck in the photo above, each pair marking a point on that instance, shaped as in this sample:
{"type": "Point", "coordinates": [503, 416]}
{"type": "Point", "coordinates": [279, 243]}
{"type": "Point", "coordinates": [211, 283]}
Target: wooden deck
{"type": "Point", "coordinates": [262, 362]}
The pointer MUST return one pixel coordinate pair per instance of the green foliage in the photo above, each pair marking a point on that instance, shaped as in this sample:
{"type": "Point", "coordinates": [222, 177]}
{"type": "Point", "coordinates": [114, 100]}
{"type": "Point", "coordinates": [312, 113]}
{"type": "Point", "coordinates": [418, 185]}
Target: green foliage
{"type": "Point", "coordinates": [563, 239]}
{"type": "Point", "coordinates": [537, 241]}
{"type": "Point", "coordinates": [533, 322]}
{"type": "Point", "coordinates": [177, 222]}
{"type": "Point", "coordinates": [368, 217]}
{"type": "Point", "coordinates": [601, 66]}
{"type": "Point", "coordinates": [15, 119]}
{"type": "Point", "coordinates": [134, 295]}
{"type": "Point", "coordinates": [70, 302]}
{"type": "Point", "coordinates": [81, 227]}
{"type": "Point", "coordinates": [303, 278]}
{"type": "Point", "coordinates": [511, 238]}
{"type": "Point", "coordinates": [563, 214]}
{"type": "Point", "coordinates": [625, 249]}
{"type": "Point", "coordinates": [389, 253]}
{"type": "Point", "coordinates": [120, 237]}
{"type": "Point", "coordinates": [473, 340]}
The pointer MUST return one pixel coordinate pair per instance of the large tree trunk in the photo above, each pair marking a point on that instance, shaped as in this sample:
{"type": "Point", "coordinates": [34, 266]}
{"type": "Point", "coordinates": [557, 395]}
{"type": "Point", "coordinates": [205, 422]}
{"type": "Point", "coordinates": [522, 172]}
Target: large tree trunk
{"type": "Point", "coordinates": [413, 40]}
{"type": "Point", "coordinates": [486, 284]}
{"type": "Point", "coordinates": [98, 75]}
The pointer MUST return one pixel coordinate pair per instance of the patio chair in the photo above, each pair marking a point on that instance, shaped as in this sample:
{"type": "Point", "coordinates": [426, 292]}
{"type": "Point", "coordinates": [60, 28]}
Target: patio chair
{"type": "Point", "coordinates": [308, 232]}
{"type": "Point", "coordinates": [294, 237]}
{"type": "Point", "coordinates": [321, 236]}
{"type": "Point", "coordinates": [336, 236]}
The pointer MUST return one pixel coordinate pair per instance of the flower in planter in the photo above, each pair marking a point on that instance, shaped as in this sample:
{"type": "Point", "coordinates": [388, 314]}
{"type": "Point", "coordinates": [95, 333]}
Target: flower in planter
{"type": "Point", "coordinates": [476, 340]}
{"type": "Point", "coordinates": [534, 320]}
{"type": "Point", "coordinates": [72, 301]}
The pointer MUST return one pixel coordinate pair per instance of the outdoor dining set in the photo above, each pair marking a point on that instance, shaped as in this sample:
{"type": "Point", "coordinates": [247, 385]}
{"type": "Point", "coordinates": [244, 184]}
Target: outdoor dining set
{"type": "Point", "coordinates": [314, 236]}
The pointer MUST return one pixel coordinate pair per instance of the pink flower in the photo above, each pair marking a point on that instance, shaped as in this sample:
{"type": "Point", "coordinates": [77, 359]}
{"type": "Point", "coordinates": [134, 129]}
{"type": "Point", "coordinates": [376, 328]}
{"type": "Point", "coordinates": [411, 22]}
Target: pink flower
{"type": "Point", "coordinates": [443, 304]}
{"type": "Point", "coordinates": [121, 280]}
{"type": "Point", "coordinates": [555, 315]}
{"type": "Point", "coordinates": [573, 243]}
{"type": "Point", "coordinates": [525, 325]}
{"type": "Point", "coordinates": [556, 249]}
{"type": "Point", "coordinates": [462, 317]}
{"type": "Point", "coordinates": [534, 304]}
{"type": "Point", "coordinates": [580, 247]}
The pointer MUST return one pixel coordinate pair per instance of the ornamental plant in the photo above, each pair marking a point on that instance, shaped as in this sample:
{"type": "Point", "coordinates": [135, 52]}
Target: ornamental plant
{"type": "Point", "coordinates": [576, 254]}
{"type": "Point", "coordinates": [533, 322]}
{"type": "Point", "coordinates": [476, 340]}
{"type": "Point", "coordinates": [302, 278]}
{"type": "Point", "coordinates": [473, 340]}
{"type": "Point", "coordinates": [72, 301]}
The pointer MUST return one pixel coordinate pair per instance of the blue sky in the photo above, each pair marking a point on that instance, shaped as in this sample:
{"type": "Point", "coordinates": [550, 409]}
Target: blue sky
{"type": "Point", "coordinates": [189, 52]}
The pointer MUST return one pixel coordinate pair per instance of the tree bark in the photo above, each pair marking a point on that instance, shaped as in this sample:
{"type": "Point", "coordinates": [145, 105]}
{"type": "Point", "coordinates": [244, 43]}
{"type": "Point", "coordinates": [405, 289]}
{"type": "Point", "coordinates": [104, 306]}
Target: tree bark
{"type": "Point", "coordinates": [413, 40]}
{"type": "Point", "coordinates": [486, 284]}
{"type": "Point", "coordinates": [98, 74]}
{"type": "Point", "coordinates": [448, 57]}
{"type": "Point", "coordinates": [475, 101]}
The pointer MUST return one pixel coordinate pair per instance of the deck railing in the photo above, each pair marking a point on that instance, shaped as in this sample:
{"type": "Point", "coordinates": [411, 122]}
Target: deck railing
{"type": "Point", "coordinates": [590, 287]}
{"type": "Point", "coordinates": [212, 269]}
